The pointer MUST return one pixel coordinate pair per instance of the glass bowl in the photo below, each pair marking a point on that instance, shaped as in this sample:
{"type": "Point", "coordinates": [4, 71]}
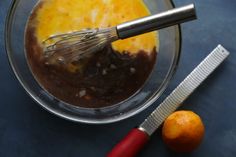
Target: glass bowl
{"type": "Point", "coordinates": [167, 60]}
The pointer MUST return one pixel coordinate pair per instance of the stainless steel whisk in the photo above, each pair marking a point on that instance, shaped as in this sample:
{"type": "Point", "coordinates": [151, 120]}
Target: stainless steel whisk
{"type": "Point", "coordinates": [73, 46]}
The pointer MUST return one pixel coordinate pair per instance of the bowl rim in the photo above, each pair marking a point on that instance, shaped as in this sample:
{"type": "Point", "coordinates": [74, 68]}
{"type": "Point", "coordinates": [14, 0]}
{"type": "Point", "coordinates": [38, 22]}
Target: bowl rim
{"type": "Point", "coordinates": [162, 88]}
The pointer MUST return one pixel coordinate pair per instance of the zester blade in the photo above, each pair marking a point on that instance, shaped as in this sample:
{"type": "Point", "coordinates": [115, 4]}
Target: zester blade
{"type": "Point", "coordinates": [184, 89]}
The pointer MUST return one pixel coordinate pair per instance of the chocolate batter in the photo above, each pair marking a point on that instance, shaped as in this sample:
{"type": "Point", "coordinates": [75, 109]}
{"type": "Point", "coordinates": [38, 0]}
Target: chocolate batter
{"type": "Point", "coordinates": [103, 79]}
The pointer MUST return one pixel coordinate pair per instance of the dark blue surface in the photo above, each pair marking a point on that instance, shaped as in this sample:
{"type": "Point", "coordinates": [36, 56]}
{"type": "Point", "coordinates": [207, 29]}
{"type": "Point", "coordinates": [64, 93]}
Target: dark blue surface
{"type": "Point", "coordinates": [26, 130]}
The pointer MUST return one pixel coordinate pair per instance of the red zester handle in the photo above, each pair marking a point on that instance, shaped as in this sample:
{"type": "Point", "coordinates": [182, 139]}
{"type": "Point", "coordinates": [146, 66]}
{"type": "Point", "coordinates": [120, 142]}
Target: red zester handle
{"type": "Point", "coordinates": [130, 145]}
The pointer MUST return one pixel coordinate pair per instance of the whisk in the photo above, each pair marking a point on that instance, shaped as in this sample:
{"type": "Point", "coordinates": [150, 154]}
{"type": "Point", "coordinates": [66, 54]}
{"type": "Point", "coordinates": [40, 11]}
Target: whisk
{"type": "Point", "coordinates": [73, 46]}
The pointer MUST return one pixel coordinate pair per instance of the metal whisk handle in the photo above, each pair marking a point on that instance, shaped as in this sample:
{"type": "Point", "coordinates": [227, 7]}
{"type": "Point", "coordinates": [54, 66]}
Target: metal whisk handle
{"type": "Point", "coordinates": [157, 21]}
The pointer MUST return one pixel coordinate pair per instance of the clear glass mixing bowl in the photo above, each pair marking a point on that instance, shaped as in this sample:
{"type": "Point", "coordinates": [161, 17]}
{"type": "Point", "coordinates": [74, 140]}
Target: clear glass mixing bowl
{"type": "Point", "coordinates": [167, 60]}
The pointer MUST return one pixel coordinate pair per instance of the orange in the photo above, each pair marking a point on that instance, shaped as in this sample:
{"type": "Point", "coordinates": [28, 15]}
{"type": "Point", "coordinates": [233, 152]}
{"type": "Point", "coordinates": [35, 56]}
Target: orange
{"type": "Point", "coordinates": [183, 131]}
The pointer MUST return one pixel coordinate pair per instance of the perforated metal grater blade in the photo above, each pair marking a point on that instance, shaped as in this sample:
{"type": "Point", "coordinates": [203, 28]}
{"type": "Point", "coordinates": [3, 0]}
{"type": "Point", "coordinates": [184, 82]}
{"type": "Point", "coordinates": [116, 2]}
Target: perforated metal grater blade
{"type": "Point", "coordinates": [184, 89]}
